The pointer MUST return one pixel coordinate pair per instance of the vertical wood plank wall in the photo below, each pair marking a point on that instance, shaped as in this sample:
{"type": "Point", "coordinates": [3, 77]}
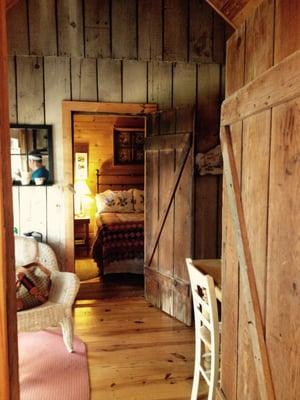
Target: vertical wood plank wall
{"type": "Point", "coordinates": [170, 53]}
{"type": "Point", "coordinates": [266, 147]}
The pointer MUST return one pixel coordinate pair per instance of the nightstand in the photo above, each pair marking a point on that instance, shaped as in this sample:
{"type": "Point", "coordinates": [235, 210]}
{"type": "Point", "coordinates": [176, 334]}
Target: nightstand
{"type": "Point", "coordinates": [81, 233]}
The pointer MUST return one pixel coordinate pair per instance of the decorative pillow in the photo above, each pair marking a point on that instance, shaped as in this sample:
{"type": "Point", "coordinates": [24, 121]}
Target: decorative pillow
{"type": "Point", "coordinates": [138, 200]}
{"type": "Point", "coordinates": [115, 201]}
{"type": "Point", "coordinates": [32, 285]}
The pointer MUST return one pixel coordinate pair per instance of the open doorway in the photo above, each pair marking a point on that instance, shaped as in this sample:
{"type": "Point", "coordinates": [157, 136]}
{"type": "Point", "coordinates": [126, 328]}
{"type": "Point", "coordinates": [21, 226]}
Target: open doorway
{"type": "Point", "coordinates": [108, 154]}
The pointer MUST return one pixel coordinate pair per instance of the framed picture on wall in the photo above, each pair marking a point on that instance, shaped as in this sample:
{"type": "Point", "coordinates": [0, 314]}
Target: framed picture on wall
{"type": "Point", "coordinates": [81, 166]}
{"type": "Point", "coordinates": [128, 146]}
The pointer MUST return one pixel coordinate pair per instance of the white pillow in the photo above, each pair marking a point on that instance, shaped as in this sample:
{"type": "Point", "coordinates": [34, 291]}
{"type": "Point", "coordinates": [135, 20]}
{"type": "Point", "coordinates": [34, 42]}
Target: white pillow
{"type": "Point", "coordinates": [138, 200]}
{"type": "Point", "coordinates": [115, 201]}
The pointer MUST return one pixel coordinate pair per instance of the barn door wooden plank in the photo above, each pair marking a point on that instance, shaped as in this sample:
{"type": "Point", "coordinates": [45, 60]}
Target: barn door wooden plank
{"type": "Point", "coordinates": [255, 322]}
{"type": "Point", "coordinates": [169, 208]}
{"type": "Point", "coordinates": [169, 197]}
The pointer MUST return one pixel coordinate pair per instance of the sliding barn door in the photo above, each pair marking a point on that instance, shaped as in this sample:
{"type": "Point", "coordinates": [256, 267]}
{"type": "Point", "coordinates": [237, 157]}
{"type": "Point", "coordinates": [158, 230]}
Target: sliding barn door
{"type": "Point", "coordinates": [169, 211]}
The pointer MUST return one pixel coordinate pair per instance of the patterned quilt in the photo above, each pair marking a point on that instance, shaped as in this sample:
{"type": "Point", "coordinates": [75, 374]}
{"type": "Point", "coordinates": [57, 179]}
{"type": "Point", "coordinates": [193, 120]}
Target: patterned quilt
{"type": "Point", "coordinates": [118, 238]}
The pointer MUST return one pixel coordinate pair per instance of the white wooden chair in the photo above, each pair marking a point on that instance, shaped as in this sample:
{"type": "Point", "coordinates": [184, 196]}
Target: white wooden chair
{"type": "Point", "coordinates": [57, 311]}
{"type": "Point", "coordinates": [206, 331]}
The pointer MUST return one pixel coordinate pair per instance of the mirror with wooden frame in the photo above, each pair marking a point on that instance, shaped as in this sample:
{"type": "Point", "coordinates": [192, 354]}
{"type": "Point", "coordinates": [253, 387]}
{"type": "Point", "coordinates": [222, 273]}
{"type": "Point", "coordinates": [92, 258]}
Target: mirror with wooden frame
{"type": "Point", "coordinates": [31, 154]}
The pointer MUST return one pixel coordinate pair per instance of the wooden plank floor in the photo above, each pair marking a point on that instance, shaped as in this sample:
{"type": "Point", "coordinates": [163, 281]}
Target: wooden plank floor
{"type": "Point", "coordinates": [135, 352]}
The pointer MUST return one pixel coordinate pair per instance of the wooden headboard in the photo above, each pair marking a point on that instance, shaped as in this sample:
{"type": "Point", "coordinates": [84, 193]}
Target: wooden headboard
{"type": "Point", "coordinates": [118, 181]}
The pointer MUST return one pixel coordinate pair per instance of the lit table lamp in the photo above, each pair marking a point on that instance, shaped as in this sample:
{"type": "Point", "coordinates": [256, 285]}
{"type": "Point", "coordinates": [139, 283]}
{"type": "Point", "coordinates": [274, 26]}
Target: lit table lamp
{"type": "Point", "coordinates": [81, 190]}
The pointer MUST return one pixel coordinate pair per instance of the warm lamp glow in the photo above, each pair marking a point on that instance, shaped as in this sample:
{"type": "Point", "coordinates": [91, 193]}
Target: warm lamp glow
{"type": "Point", "coordinates": [81, 190]}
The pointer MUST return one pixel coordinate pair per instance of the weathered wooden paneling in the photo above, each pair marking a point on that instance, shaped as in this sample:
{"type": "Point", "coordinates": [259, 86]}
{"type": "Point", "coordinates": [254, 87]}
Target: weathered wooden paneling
{"type": "Point", "coordinates": [30, 95]}
{"type": "Point", "coordinates": [184, 84]}
{"type": "Point", "coordinates": [97, 28]}
{"type": "Point", "coordinates": [201, 34]}
{"type": "Point", "coordinates": [42, 27]}
{"type": "Point", "coordinates": [287, 28]}
{"type": "Point", "coordinates": [230, 286]}
{"type": "Point", "coordinates": [33, 213]}
{"type": "Point", "coordinates": [259, 41]}
{"type": "Point", "coordinates": [255, 175]}
{"type": "Point", "coordinates": [134, 82]}
{"type": "Point", "coordinates": [70, 28]}
{"type": "Point", "coordinates": [109, 80]}
{"type": "Point", "coordinates": [175, 40]}
{"type": "Point", "coordinates": [124, 29]}
{"type": "Point", "coordinates": [12, 93]}
{"type": "Point", "coordinates": [235, 59]}
{"type": "Point", "coordinates": [17, 32]}
{"type": "Point", "coordinates": [160, 84]}
{"type": "Point", "coordinates": [16, 207]}
{"type": "Point", "coordinates": [151, 203]}
{"type": "Point", "coordinates": [282, 303]}
{"type": "Point", "coordinates": [84, 77]}
{"type": "Point", "coordinates": [150, 30]}
{"type": "Point", "coordinates": [57, 88]}
{"type": "Point", "coordinates": [166, 243]}
{"type": "Point", "coordinates": [183, 219]}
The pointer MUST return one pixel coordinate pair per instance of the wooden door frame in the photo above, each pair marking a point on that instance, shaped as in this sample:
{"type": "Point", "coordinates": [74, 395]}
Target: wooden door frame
{"type": "Point", "coordinates": [9, 373]}
{"type": "Point", "coordinates": [68, 109]}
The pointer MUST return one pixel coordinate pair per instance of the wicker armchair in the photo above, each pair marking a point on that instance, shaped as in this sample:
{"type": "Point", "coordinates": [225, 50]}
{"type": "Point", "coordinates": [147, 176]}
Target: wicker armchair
{"type": "Point", "coordinates": [64, 287]}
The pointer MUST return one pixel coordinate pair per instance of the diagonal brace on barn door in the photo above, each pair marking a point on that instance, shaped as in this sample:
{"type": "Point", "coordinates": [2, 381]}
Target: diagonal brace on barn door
{"type": "Point", "coordinates": [255, 322]}
{"type": "Point", "coordinates": [165, 211]}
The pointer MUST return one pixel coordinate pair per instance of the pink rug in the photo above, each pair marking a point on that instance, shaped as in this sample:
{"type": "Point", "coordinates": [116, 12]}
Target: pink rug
{"type": "Point", "coordinates": [48, 371]}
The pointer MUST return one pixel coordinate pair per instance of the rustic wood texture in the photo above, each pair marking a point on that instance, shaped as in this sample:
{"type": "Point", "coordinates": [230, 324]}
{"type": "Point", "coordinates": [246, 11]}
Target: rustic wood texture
{"type": "Point", "coordinates": [109, 80]}
{"type": "Point", "coordinates": [259, 41]}
{"type": "Point", "coordinates": [230, 285]}
{"type": "Point", "coordinates": [256, 152]}
{"type": "Point", "coordinates": [150, 30]}
{"type": "Point", "coordinates": [169, 163]}
{"type": "Point", "coordinates": [259, 95]}
{"type": "Point", "coordinates": [9, 379]}
{"type": "Point", "coordinates": [30, 94]}
{"type": "Point", "coordinates": [116, 80]}
{"type": "Point", "coordinates": [175, 40]}
{"type": "Point", "coordinates": [287, 29]}
{"type": "Point", "coordinates": [126, 356]}
{"type": "Point", "coordinates": [12, 90]}
{"type": "Point", "coordinates": [201, 35]}
{"type": "Point", "coordinates": [57, 88]}
{"type": "Point", "coordinates": [120, 29]}
{"type": "Point", "coordinates": [235, 12]}
{"type": "Point", "coordinates": [124, 29]}
{"type": "Point", "coordinates": [84, 76]}
{"type": "Point", "coordinates": [97, 28]}
{"type": "Point", "coordinates": [269, 113]}
{"type": "Point", "coordinates": [282, 303]}
{"type": "Point", "coordinates": [160, 84]}
{"type": "Point", "coordinates": [184, 84]}
{"type": "Point", "coordinates": [42, 27]}
{"type": "Point", "coordinates": [134, 81]}
{"type": "Point", "coordinates": [17, 32]}
{"type": "Point", "coordinates": [70, 28]}
{"type": "Point", "coordinates": [235, 59]}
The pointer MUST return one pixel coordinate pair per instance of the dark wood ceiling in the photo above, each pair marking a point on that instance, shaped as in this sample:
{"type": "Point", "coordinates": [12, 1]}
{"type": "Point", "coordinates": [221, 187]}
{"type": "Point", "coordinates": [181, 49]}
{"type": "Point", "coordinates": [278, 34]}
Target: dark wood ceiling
{"type": "Point", "coordinates": [234, 11]}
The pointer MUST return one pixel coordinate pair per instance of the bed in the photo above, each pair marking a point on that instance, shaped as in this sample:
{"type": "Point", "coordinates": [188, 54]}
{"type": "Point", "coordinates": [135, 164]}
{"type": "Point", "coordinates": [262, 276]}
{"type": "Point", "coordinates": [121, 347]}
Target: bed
{"type": "Point", "coordinates": [118, 246]}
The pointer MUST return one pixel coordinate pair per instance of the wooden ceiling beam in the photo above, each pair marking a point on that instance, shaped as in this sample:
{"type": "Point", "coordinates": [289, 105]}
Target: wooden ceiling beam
{"type": "Point", "coordinates": [234, 12]}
